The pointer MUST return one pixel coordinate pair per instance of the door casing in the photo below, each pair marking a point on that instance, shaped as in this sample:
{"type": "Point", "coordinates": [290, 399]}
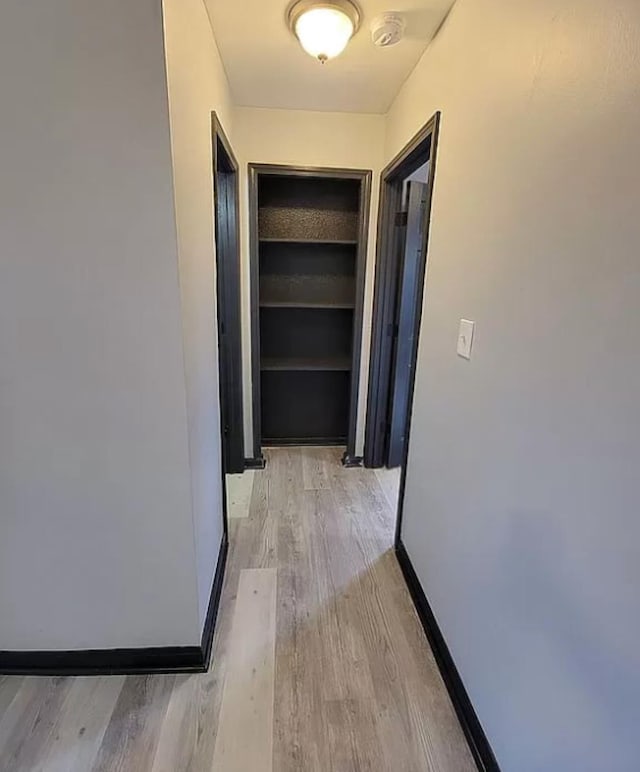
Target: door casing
{"type": "Point", "coordinates": [363, 176]}
{"type": "Point", "coordinates": [228, 294]}
{"type": "Point", "coordinates": [422, 147]}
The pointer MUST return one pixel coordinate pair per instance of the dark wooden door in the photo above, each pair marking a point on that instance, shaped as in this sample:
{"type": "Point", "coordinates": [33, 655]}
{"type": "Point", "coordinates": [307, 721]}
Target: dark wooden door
{"type": "Point", "coordinates": [407, 313]}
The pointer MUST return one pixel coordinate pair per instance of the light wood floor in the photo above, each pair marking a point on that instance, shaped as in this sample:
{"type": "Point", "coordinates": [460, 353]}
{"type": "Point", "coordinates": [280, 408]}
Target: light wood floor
{"type": "Point", "coordinates": [239, 490]}
{"type": "Point", "coordinates": [389, 481]}
{"type": "Point", "coordinates": [319, 660]}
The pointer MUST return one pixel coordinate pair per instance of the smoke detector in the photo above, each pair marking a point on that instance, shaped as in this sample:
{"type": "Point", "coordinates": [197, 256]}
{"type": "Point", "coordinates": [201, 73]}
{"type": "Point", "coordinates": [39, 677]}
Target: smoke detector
{"type": "Point", "coordinates": [387, 29]}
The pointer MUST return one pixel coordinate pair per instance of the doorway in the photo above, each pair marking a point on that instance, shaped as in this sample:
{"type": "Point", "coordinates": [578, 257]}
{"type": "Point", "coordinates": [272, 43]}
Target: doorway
{"type": "Point", "coordinates": [308, 240]}
{"type": "Point", "coordinates": [226, 208]}
{"type": "Point", "coordinates": [403, 230]}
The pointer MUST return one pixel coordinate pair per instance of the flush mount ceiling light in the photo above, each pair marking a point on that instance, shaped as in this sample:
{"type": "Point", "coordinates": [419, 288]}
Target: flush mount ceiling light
{"type": "Point", "coordinates": [324, 29]}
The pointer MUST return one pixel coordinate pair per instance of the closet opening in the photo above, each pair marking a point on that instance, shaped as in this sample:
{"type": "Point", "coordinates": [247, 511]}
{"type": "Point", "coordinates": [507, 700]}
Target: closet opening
{"type": "Point", "coordinates": [308, 242]}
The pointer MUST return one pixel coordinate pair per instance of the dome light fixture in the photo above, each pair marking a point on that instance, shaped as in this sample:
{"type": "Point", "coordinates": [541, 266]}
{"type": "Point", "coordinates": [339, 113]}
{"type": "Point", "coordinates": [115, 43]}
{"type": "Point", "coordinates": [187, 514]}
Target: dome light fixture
{"type": "Point", "coordinates": [324, 28]}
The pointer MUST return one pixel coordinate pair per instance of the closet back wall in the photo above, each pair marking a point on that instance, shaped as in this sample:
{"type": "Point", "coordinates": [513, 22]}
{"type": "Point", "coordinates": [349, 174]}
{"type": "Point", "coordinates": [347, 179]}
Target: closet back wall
{"type": "Point", "coordinates": [305, 138]}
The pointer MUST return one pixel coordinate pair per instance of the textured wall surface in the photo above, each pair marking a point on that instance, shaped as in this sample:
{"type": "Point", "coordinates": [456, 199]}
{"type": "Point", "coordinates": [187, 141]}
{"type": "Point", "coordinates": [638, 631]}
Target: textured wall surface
{"type": "Point", "coordinates": [96, 539]}
{"type": "Point", "coordinates": [521, 513]}
{"type": "Point", "coordinates": [198, 85]}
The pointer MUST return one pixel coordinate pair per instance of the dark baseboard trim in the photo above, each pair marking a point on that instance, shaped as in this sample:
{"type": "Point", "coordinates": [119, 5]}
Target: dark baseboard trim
{"type": "Point", "coordinates": [351, 461]}
{"type": "Point", "coordinates": [478, 743]}
{"type": "Point", "coordinates": [255, 463]}
{"type": "Point", "coordinates": [206, 643]}
{"type": "Point", "coordinates": [160, 659]}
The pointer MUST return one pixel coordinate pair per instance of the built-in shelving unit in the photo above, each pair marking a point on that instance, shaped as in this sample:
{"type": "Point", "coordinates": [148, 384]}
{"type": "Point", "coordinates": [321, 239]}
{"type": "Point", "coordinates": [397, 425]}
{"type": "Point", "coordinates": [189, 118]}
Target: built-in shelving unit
{"type": "Point", "coordinates": [309, 249]}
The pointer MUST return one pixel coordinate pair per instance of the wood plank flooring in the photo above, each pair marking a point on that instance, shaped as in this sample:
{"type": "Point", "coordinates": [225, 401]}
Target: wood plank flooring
{"type": "Point", "coordinates": [389, 480]}
{"type": "Point", "coordinates": [319, 661]}
{"type": "Point", "coordinates": [239, 489]}
{"type": "Point", "coordinates": [244, 739]}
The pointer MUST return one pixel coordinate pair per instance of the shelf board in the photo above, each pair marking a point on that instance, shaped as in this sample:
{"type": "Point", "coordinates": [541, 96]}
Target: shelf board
{"type": "Point", "coordinates": [268, 240]}
{"type": "Point", "coordinates": [330, 442]}
{"type": "Point", "coordinates": [285, 364]}
{"type": "Point", "coordinates": [303, 304]}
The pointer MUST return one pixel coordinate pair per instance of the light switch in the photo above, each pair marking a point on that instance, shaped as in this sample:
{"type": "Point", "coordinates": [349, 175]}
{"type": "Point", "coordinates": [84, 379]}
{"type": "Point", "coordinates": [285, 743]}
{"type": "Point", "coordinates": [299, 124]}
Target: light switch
{"type": "Point", "coordinates": [465, 338]}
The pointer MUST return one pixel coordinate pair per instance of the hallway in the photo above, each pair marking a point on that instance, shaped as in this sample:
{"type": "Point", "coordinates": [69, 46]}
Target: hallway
{"type": "Point", "coordinates": [319, 660]}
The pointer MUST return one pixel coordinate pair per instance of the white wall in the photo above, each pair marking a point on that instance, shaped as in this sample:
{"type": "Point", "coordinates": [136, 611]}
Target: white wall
{"type": "Point", "coordinates": [299, 137]}
{"type": "Point", "coordinates": [96, 539]}
{"type": "Point", "coordinates": [521, 514]}
{"type": "Point", "coordinates": [198, 85]}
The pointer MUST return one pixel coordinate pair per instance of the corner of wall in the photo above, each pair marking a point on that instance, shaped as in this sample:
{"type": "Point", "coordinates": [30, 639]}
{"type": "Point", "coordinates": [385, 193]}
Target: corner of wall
{"type": "Point", "coordinates": [197, 85]}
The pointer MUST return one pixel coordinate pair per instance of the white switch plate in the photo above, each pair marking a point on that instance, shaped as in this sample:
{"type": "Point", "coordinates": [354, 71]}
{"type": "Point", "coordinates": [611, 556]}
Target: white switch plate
{"type": "Point", "coordinates": [465, 338]}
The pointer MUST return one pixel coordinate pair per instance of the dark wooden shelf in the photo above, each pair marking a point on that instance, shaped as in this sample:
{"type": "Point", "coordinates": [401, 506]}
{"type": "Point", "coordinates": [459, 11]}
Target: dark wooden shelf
{"type": "Point", "coordinates": [270, 240]}
{"type": "Point", "coordinates": [331, 442]}
{"type": "Point", "coordinates": [307, 364]}
{"type": "Point", "coordinates": [305, 256]}
{"type": "Point", "coordinates": [327, 305]}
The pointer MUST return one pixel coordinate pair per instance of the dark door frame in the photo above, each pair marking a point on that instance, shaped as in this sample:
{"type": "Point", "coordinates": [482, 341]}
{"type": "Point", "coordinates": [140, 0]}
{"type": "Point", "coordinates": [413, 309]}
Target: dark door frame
{"type": "Point", "coordinates": [255, 170]}
{"type": "Point", "coordinates": [227, 238]}
{"type": "Point", "coordinates": [422, 147]}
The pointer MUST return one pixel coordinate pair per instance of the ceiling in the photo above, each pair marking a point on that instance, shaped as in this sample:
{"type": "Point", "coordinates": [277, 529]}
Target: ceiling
{"type": "Point", "coordinates": [267, 67]}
